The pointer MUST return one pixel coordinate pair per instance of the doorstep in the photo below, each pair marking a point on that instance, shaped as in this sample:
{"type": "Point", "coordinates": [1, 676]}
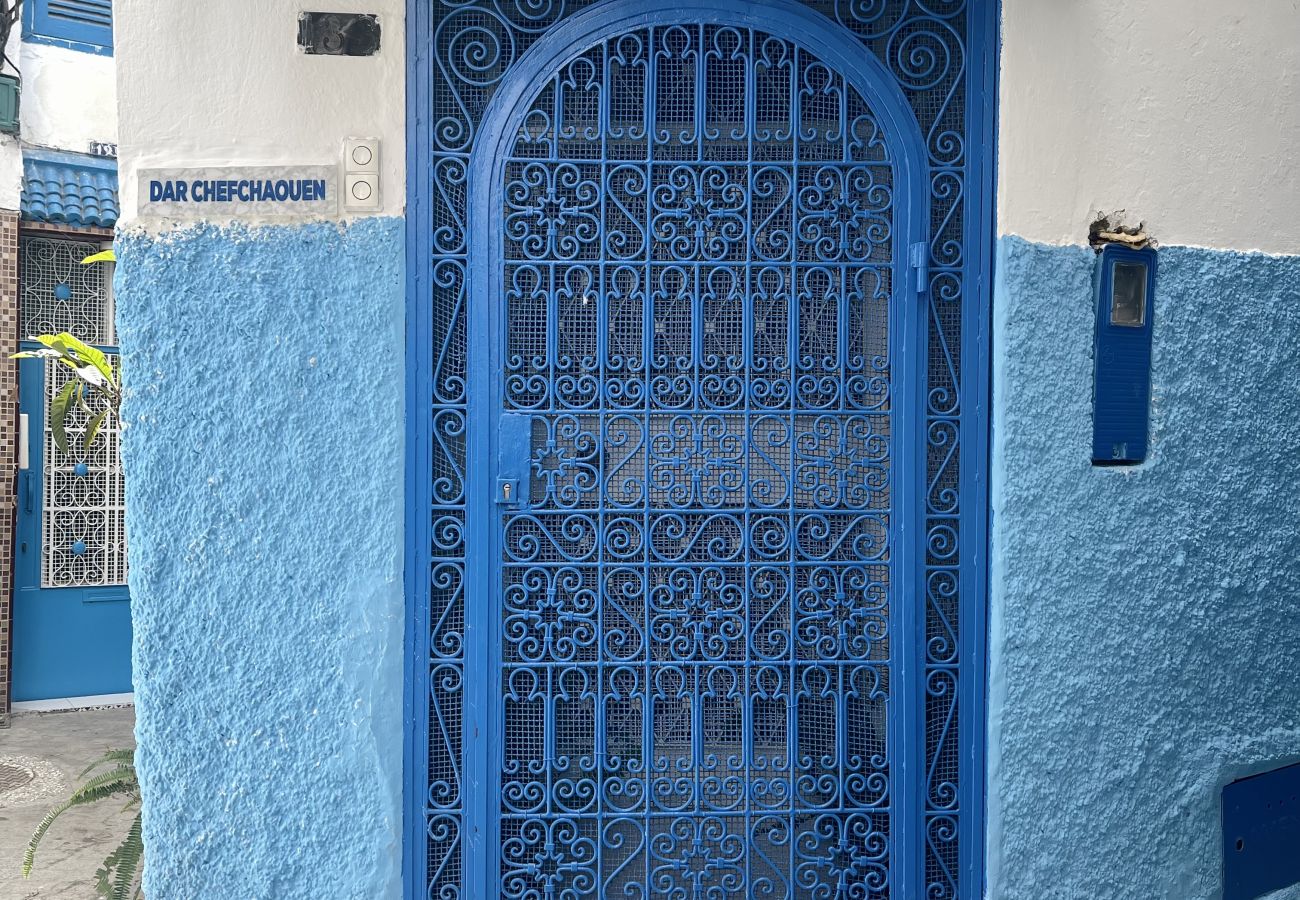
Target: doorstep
{"type": "Point", "coordinates": [66, 704]}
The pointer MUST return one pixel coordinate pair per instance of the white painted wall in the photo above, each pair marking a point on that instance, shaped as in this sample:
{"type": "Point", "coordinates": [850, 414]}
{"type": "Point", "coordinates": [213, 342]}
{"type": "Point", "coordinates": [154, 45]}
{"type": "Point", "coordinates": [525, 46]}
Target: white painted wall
{"type": "Point", "coordinates": [11, 155]}
{"type": "Point", "coordinates": [1184, 112]}
{"type": "Point", "coordinates": [11, 172]}
{"type": "Point", "coordinates": [69, 98]}
{"type": "Point", "coordinates": [225, 84]}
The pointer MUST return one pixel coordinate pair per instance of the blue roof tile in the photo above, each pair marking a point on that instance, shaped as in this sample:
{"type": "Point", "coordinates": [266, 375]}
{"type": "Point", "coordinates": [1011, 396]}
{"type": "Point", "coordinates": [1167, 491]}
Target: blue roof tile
{"type": "Point", "coordinates": [66, 191]}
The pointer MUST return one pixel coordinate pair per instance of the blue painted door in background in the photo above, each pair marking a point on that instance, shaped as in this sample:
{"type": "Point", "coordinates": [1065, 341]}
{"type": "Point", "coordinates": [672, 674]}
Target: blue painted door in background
{"type": "Point", "coordinates": [693, 613]}
{"type": "Point", "coordinates": [71, 611]}
{"type": "Point", "coordinates": [71, 621]}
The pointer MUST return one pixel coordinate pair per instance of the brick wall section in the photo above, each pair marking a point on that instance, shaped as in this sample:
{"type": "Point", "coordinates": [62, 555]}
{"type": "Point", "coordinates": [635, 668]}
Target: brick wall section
{"type": "Point", "coordinates": [67, 231]}
{"type": "Point", "coordinates": [8, 439]}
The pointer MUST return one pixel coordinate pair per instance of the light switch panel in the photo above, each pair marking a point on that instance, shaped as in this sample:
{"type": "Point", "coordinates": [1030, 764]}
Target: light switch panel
{"type": "Point", "coordinates": [361, 192]}
{"type": "Point", "coordinates": [361, 155]}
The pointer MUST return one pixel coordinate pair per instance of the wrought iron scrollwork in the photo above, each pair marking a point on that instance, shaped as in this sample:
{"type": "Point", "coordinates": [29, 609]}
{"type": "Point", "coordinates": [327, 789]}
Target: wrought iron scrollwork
{"type": "Point", "coordinates": [699, 265]}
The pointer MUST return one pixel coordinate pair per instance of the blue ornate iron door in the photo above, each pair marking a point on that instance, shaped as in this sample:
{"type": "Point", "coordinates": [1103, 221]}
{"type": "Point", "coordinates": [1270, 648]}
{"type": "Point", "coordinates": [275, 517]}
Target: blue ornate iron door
{"type": "Point", "coordinates": [693, 582]}
{"type": "Point", "coordinates": [697, 460]}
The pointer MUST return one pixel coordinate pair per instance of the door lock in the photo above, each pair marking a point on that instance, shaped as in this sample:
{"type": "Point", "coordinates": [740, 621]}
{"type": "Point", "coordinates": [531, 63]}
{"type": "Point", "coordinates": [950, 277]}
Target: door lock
{"type": "Point", "coordinates": [514, 448]}
{"type": "Point", "coordinates": [508, 492]}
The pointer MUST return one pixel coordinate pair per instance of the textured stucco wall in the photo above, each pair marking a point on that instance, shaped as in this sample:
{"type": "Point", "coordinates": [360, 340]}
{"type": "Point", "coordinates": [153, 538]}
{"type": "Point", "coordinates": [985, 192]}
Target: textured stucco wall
{"type": "Point", "coordinates": [1144, 630]}
{"type": "Point", "coordinates": [264, 471]}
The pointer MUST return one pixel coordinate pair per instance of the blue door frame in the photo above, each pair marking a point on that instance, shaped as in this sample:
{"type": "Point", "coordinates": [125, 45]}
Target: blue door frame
{"type": "Point", "coordinates": [67, 641]}
{"type": "Point", "coordinates": [448, 800]}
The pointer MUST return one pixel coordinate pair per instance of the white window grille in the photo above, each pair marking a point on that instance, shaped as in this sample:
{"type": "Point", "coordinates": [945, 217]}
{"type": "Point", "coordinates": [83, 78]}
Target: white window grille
{"type": "Point", "coordinates": [83, 502]}
{"type": "Point", "coordinates": [83, 526]}
{"type": "Point", "coordinates": [60, 294]}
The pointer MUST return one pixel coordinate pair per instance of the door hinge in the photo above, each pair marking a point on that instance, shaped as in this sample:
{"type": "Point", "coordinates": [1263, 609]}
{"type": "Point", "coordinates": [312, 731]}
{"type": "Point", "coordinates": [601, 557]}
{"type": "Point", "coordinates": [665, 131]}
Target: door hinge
{"type": "Point", "coordinates": [919, 257]}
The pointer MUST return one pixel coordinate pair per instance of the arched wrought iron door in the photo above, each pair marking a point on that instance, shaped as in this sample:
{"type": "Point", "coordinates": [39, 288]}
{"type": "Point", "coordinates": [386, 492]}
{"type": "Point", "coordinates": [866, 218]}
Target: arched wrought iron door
{"type": "Point", "coordinates": [692, 595]}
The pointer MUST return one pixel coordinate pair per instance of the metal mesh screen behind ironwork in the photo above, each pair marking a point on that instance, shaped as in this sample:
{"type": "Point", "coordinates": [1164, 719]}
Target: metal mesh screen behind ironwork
{"type": "Point", "coordinates": [83, 529]}
{"type": "Point", "coordinates": [695, 606]}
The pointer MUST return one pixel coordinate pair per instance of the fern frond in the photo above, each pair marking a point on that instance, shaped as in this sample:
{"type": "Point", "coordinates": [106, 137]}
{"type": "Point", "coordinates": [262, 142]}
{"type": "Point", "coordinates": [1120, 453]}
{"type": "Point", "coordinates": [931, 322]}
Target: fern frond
{"type": "Point", "coordinates": [125, 757]}
{"type": "Point", "coordinates": [29, 855]}
{"type": "Point", "coordinates": [126, 773]}
{"type": "Point", "coordinates": [111, 787]}
{"type": "Point", "coordinates": [119, 780]}
{"type": "Point", "coordinates": [103, 874]}
{"type": "Point", "coordinates": [128, 862]}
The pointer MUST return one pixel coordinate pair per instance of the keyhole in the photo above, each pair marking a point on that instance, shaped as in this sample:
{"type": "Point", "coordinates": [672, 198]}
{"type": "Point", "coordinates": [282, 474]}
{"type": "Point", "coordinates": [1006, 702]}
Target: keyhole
{"type": "Point", "coordinates": [505, 491]}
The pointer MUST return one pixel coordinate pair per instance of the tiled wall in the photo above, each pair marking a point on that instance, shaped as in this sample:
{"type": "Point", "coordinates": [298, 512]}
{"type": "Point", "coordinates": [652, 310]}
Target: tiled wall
{"type": "Point", "coordinates": [8, 436]}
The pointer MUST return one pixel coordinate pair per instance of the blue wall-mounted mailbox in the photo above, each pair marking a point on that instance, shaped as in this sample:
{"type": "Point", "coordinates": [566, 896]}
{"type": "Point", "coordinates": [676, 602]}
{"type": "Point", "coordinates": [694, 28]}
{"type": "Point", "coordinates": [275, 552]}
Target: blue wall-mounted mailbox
{"type": "Point", "coordinates": [1261, 834]}
{"type": "Point", "coordinates": [1121, 393]}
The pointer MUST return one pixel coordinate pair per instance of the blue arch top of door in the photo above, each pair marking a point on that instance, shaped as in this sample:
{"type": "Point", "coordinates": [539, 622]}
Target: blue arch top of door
{"type": "Point", "coordinates": [814, 32]}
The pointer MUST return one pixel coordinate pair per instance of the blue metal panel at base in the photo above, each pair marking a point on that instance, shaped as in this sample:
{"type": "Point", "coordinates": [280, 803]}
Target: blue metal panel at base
{"type": "Point", "coordinates": [71, 643]}
{"type": "Point", "coordinates": [264, 470]}
{"type": "Point", "coordinates": [1143, 645]}
{"type": "Point", "coordinates": [1261, 834]}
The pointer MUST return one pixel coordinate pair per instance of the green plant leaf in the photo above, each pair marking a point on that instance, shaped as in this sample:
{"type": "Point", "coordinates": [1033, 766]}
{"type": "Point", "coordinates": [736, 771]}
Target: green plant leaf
{"type": "Point", "coordinates": [92, 376]}
{"type": "Point", "coordinates": [128, 861]}
{"type": "Point", "coordinates": [107, 784]}
{"type": "Point", "coordinates": [59, 415]}
{"type": "Point", "coordinates": [101, 256]}
{"type": "Point", "coordinates": [79, 395]}
{"type": "Point", "coordinates": [117, 875]}
{"type": "Point", "coordinates": [92, 429]}
{"type": "Point", "coordinates": [29, 855]}
{"type": "Point", "coordinates": [126, 757]}
{"type": "Point", "coordinates": [82, 353]}
{"type": "Point", "coordinates": [89, 363]}
{"type": "Point", "coordinates": [53, 341]}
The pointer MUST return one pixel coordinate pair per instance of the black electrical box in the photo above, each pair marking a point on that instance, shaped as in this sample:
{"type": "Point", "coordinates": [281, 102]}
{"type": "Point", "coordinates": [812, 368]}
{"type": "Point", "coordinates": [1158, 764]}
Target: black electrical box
{"type": "Point", "coordinates": [338, 34]}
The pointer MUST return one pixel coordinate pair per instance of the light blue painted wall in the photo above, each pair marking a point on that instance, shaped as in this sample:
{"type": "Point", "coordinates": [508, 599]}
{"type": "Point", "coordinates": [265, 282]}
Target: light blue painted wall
{"type": "Point", "coordinates": [1145, 625]}
{"type": "Point", "coordinates": [1144, 635]}
{"type": "Point", "coordinates": [264, 469]}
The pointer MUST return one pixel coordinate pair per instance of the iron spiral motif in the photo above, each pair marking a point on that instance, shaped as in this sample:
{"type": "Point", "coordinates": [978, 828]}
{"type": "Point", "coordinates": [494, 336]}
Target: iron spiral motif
{"type": "Point", "coordinates": [694, 610]}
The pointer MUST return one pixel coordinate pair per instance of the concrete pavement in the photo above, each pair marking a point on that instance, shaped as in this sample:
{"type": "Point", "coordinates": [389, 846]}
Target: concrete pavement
{"type": "Point", "coordinates": [55, 747]}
